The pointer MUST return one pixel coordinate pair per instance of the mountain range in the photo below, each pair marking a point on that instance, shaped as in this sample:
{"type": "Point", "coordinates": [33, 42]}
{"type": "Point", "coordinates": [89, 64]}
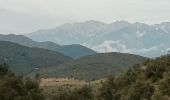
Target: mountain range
{"type": "Point", "coordinates": [31, 60]}
{"type": "Point", "coordinates": [74, 50]}
{"type": "Point", "coordinates": [120, 36]}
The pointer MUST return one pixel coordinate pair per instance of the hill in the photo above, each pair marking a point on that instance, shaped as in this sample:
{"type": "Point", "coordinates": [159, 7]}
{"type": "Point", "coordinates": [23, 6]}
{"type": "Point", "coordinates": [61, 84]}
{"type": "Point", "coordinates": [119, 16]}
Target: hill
{"type": "Point", "coordinates": [93, 67]}
{"type": "Point", "coordinates": [74, 51]}
{"type": "Point", "coordinates": [23, 59]}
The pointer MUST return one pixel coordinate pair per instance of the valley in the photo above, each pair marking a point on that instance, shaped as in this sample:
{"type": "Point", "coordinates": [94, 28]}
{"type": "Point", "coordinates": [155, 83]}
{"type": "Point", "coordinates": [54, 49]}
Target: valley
{"type": "Point", "coordinates": [84, 50]}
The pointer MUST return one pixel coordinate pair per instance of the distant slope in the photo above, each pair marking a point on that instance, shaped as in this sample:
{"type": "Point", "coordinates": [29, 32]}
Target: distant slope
{"type": "Point", "coordinates": [74, 51]}
{"type": "Point", "coordinates": [23, 40]}
{"type": "Point", "coordinates": [23, 59]}
{"type": "Point", "coordinates": [93, 67]}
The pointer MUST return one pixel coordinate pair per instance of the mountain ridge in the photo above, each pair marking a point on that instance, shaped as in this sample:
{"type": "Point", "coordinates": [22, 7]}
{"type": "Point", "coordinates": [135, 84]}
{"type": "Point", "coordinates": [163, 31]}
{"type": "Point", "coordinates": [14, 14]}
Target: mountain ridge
{"type": "Point", "coordinates": [77, 51]}
{"type": "Point", "coordinates": [137, 38]}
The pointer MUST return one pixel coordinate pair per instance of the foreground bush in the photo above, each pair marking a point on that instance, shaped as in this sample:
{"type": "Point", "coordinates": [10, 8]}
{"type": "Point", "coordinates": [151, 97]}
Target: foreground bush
{"type": "Point", "coordinates": [13, 87]}
{"type": "Point", "coordinates": [84, 93]}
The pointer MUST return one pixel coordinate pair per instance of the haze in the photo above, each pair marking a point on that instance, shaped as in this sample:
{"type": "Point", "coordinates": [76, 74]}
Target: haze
{"type": "Point", "coordinates": [23, 16]}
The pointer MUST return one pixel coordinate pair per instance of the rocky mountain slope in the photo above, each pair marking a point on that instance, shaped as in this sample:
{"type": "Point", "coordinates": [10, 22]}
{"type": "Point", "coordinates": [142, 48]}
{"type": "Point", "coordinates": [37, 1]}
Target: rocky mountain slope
{"type": "Point", "coordinates": [120, 36]}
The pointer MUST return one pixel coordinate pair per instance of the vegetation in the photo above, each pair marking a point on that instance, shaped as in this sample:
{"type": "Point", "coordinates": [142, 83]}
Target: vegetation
{"type": "Point", "coordinates": [147, 81]}
{"type": "Point", "coordinates": [13, 87]}
{"type": "Point", "coordinates": [93, 67]}
{"type": "Point", "coordinates": [83, 93]}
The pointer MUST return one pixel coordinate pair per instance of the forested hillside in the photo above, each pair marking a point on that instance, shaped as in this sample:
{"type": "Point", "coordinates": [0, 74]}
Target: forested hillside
{"type": "Point", "coordinates": [23, 60]}
{"type": "Point", "coordinates": [93, 67]}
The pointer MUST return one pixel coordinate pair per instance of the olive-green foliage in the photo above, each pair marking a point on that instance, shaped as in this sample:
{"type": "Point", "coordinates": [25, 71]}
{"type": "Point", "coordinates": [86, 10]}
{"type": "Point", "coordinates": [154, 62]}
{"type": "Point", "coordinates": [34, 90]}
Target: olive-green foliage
{"type": "Point", "coordinates": [13, 87]}
{"type": "Point", "coordinates": [147, 81]}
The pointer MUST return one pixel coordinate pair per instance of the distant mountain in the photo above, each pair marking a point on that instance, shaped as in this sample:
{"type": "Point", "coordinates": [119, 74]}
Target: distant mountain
{"type": "Point", "coordinates": [23, 60]}
{"type": "Point", "coordinates": [74, 51]}
{"type": "Point", "coordinates": [120, 36]}
{"type": "Point", "coordinates": [93, 67]}
{"type": "Point", "coordinates": [23, 40]}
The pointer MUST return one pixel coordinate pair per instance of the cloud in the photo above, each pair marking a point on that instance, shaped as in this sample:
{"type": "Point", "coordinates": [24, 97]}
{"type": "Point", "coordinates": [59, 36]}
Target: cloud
{"type": "Point", "coordinates": [117, 46]}
{"type": "Point", "coordinates": [168, 49]}
{"type": "Point", "coordinates": [112, 46]}
{"type": "Point", "coordinates": [145, 50]}
{"type": "Point", "coordinates": [140, 34]}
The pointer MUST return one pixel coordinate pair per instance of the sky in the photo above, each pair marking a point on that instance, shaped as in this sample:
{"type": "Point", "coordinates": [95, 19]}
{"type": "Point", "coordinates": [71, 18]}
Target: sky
{"type": "Point", "coordinates": [24, 16]}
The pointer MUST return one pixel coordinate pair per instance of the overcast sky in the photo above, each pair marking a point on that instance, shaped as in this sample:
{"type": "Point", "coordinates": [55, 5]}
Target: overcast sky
{"type": "Point", "coordinates": [22, 16]}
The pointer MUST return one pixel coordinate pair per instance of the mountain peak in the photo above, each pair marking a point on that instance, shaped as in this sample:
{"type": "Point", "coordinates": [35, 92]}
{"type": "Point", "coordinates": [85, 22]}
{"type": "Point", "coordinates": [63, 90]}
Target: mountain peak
{"type": "Point", "coordinates": [94, 22]}
{"type": "Point", "coordinates": [120, 23]}
{"type": "Point", "coordinates": [85, 23]}
{"type": "Point", "coordinates": [140, 24]}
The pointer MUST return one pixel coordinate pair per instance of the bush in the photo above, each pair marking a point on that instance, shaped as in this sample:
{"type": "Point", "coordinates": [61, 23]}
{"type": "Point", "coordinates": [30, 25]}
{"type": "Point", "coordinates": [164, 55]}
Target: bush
{"type": "Point", "coordinates": [14, 87]}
